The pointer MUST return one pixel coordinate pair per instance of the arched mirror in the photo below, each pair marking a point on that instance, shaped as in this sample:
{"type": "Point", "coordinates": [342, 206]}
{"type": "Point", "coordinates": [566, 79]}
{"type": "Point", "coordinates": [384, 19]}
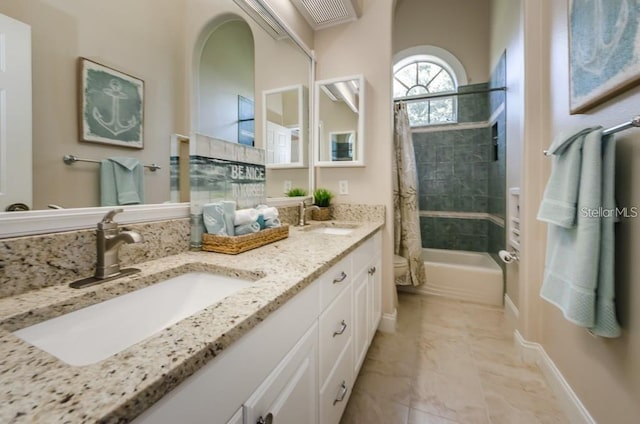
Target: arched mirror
{"type": "Point", "coordinates": [243, 99]}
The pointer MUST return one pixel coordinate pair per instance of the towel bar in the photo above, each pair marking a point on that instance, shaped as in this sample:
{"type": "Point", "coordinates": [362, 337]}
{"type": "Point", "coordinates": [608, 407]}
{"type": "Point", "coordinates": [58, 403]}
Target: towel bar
{"type": "Point", "coordinates": [634, 122]}
{"type": "Point", "coordinates": [70, 159]}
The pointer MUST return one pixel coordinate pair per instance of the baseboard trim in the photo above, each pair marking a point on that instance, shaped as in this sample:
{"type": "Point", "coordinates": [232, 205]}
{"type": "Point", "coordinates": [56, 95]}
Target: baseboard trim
{"type": "Point", "coordinates": [388, 322]}
{"type": "Point", "coordinates": [534, 353]}
{"type": "Point", "coordinates": [511, 312]}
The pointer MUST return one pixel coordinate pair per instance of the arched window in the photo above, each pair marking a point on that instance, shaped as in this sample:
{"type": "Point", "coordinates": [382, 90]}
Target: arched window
{"type": "Point", "coordinates": [425, 70]}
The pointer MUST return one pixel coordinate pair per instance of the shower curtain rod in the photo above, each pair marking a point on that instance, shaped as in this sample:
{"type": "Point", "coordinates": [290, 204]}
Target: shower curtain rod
{"type": "Point", "coordinates": [435, 96]}
{"type": "Point", "coordinates": [633, 123]}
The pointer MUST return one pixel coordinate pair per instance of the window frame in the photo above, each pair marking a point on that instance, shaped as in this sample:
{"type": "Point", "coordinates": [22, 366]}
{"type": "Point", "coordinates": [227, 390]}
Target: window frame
{"type": "Point", "coordinates": [441, 58]}
{"type": "Point", "coordinates": [438, 95]}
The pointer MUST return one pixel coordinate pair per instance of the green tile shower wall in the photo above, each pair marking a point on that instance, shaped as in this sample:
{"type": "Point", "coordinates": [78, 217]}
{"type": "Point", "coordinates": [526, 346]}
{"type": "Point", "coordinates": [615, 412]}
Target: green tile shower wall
{"type": "Point", "coordinates": [453, 169]}
{"type": "Point", "coordinates": [454, 233]}
{"type": "Point", "coordinates": [457, 172]}
{"type": "Point", "coordinates": [473, 107]}
{"type": "Point", "coordinates": [497, 173]}
{"type": "Point", "coordinates": [497, 169]}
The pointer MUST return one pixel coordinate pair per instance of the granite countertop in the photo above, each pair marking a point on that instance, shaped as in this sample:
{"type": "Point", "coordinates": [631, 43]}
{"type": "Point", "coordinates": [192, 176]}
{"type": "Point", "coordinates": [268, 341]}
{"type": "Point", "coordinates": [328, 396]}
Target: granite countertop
{"type": "Point", "coordinates": [37, 387]}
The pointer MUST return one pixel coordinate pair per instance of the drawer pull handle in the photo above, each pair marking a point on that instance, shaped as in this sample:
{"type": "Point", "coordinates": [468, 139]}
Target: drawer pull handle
{"type": "Point", "coordinates": [372, 270]}
{"type": "Point", "coordinates": [341, 393]}
{"type": "Point", "coordinates": [343, 326]}
{"type": "Point", "coordinates": [267, 420]}
{"type": "Point", "coordinates": [340, 278]}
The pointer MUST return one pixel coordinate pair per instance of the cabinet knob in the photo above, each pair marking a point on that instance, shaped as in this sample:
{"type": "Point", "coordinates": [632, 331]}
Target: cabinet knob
{"type": "Point", "coordinates": [342, 392]}
{"type": "Point", "coordinates": [340, 278]}
{"type": "Point", "coordinates": [267, 420]}
{"type": "Point", "coordinates": [372, 270]}
{"type": "Point", "coordinates": [343, 326]}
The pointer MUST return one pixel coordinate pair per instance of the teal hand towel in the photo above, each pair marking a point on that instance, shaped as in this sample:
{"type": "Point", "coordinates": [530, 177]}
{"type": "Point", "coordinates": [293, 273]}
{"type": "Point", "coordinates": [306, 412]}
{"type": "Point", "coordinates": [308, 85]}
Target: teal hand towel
{"type": "Point", "coordinates": [121, 181]}
{"type": "Point", "coordinates": [561, 193]}
{"type": "Point", "coordinates": [577, 256]}
{"type": "Point", "coordinates": [229, 207]}
{"type": "Point", "coordinates": [214, 219]}
{"type": "Point", "coordinates": [261, 221]}
{"type": "Point", "coordinates": [272, 222]}
{"type": "Point", "coordinates": [250, 228]}
{"type": "Point", "coordinates": [606, 324]}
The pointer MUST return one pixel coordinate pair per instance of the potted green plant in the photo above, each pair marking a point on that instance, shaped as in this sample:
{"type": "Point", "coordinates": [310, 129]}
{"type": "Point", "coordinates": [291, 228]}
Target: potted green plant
{"type": "Point", "coordinates": [322, 198]}
{"type": "Point", "coordinates": [295, 192]}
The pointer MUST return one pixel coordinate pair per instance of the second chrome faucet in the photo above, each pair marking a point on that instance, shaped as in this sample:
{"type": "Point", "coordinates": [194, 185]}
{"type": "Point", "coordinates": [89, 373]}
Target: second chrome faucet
{"type": "Point", "coordinates": [302, 211]}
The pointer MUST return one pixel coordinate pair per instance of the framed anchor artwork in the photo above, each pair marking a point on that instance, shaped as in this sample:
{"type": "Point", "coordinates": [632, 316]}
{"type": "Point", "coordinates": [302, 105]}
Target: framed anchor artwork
{"type": "Point", "coordinates": [111, 106]}
{"type": "Point", "coordinates": [604, 58]}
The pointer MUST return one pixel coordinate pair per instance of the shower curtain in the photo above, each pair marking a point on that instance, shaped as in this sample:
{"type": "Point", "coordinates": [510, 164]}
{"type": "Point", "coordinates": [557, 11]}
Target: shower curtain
{"type": "Point", "coordinates": [407, 240]}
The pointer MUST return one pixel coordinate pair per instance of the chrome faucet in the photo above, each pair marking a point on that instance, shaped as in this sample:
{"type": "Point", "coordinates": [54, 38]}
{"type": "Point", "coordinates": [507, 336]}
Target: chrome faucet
{"type": "Point", "coordinates": [302, 211]}
{"type": "Point", "coordinates": [109, 238]}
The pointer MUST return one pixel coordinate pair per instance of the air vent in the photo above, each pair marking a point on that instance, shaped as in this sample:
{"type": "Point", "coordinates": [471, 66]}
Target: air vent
{"type": "Point", "coordinates": [259, 13]}
{"type": "Point", "coordinates": [325, 13]}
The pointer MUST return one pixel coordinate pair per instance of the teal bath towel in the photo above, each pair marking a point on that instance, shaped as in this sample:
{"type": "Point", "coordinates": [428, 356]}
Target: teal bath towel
{"type": "Point", "coordinates": [578, 276]}
{"type": "Point", "coordinates": [214, 219]}
{"type": "Point", "coordinates": [121, 181]}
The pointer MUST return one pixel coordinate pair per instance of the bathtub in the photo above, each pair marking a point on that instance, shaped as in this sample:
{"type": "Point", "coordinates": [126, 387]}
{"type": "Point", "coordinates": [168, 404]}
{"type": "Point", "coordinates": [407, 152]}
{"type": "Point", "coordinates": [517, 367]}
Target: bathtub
{"type": "Point", "coordinates": [470, 276]}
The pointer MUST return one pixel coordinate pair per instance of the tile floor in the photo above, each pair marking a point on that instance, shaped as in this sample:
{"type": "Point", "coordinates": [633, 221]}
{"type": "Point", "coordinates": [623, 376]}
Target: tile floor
{"type": "Point", "coordinates": [449, 362]}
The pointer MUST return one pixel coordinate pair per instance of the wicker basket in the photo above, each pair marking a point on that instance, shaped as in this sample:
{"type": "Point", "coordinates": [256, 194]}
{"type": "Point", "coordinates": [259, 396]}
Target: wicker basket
{"type": "Point", "coordinates": [322, 214]}
{"type": "Point", "coordinates": [232, 245]}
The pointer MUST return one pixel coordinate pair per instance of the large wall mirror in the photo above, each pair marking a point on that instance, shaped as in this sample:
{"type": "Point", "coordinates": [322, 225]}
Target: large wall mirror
{"type": "Point", "coordinates": [153, 44]}
{"type": "Point", "coordinates": [339, 109]}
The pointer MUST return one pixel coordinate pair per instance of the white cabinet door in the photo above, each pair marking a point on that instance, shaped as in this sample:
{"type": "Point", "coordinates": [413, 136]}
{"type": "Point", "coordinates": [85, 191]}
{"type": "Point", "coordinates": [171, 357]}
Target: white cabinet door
{"type": "Point", "coordinates": [335, 327]}
{"type": "Point", "coordinates": [375, 295]}
{"type": "Point", "coordinates": [289, 394]}
{"type": "Point", "coordinates": [237, 418]}
{"type": "Point", "coordinates": [15, 113]}
{"type": "Point", "coordinates": [335, 393]}
{"type": "Point", "coordinates": [361, 306]}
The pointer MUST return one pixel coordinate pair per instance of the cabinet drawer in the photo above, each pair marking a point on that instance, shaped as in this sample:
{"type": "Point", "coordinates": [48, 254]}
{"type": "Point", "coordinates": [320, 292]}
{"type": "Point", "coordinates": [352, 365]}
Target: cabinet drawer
{"type": "Point", "coordinates": [334, 281]}
{"type": "Point", "coordinates": [362, 256]}
{"type": "Point", "coordinates": [336, 391]}
{"type": "Point", "coordinates": [336, 327]}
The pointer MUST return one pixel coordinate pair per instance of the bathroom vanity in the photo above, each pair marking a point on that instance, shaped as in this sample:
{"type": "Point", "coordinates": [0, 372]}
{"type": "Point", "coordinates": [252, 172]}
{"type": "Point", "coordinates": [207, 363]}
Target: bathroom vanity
{"type": "Point", "coordinates": [287, 347]}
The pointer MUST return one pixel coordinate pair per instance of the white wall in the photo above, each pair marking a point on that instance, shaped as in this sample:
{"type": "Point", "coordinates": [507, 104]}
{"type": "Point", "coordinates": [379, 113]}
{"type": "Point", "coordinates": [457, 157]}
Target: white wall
{"type": "Point", "coordinates": [364, 47]}
{"type": "Point", "coordinates": [458, 26]}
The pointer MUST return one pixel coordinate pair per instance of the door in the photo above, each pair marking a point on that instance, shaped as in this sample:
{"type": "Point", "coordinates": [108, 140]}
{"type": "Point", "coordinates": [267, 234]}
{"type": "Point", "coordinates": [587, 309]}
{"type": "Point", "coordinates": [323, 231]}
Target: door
{"type": "Point", "coordinates": [278, 147]}
{"type": "Point", "coordinates": [15, 113]}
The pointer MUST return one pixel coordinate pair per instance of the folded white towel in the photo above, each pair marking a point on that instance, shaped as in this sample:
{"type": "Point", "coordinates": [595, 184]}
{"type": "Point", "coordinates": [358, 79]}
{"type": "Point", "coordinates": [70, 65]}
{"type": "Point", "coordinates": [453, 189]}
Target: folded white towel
{"type": "Point", "coordinates": [268, 212]}
{"type": "Point", "coordinates": [245, 216]}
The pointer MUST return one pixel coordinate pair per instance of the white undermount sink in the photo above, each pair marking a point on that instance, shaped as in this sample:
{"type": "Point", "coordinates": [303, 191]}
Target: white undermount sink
{"type": "Point", "coordinates": [332, 230]}
{"type": "Point", "coordinates": [332, 227]}
{"type": "Point", "coordinates": [94, 333]}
